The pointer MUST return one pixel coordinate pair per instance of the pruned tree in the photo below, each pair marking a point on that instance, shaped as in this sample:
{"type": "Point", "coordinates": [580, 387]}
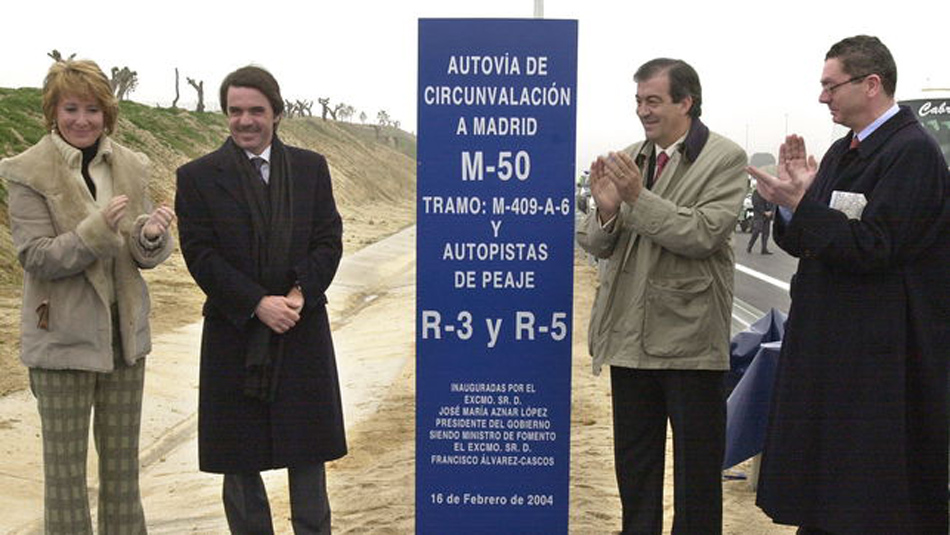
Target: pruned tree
{"type": "Point", "coordinates": [200, 88]}
{"type": "Point", "coordinates": [344, 111]}
{"type": "Point", "coordinates": [363, 117]}
{"type": "Point", "coordinates": [290, 109]}
{"type": "Point", "coordinates": [305, 106]}
{"type": "Point", "coordinates": [382, 118]}
{"type": "Point", "coordinates": [177, 94]}
{"type": "Point", "coordinates": [325, 102]}
{"type": "Point", "coordinates": [59, 57]}
{"type": "Point", "coordinates": [123, 82]}
{"type": "Point", "coordinates": [395, 124]}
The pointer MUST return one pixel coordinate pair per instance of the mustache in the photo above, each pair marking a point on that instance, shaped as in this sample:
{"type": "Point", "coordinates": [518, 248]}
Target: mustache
{"type": "Point", "coordinates": [247, 129]}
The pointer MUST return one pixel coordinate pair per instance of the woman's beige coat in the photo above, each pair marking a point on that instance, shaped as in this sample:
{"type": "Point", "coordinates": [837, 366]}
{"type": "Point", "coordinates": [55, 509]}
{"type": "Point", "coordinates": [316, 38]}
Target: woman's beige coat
{"type": "Point", "coordinates": [65, 247]}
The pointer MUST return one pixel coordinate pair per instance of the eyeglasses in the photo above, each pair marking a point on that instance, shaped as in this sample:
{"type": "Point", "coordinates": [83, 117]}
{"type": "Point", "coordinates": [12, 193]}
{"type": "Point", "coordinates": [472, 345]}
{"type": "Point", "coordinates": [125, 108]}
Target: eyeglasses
{"type": "Point", "coordinates": [830, 89]}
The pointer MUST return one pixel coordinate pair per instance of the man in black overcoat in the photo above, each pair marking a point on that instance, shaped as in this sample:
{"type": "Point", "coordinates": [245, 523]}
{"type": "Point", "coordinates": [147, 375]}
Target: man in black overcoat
{"type": "Point", "coordinates": [857, 438]}
{"type": "Point", "coordinates": [262, 238]}
{"type": "Point", "coordinates": [762, 212]}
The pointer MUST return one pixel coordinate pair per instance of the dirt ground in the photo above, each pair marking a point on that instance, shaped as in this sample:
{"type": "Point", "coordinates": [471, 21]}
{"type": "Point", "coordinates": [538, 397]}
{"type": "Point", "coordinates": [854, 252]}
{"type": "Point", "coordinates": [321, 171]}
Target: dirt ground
{"type": "Point", "coordinates": [372, 488]}
{"type": "Point", "coordinates": [176, 300]}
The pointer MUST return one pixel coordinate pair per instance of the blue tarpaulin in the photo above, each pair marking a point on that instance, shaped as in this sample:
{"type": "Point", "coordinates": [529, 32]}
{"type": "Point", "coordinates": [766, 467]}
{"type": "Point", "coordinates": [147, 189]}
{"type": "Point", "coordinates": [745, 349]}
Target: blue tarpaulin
{"type": "Point", "coordinates": [754, 360]}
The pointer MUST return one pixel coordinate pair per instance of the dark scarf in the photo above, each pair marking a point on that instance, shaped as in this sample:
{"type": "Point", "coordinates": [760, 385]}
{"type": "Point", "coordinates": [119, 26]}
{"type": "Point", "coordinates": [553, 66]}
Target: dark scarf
{"type": "Point", "coordinates": [272, 222]}
{"type": "Point", "coordinates": [88, 154]}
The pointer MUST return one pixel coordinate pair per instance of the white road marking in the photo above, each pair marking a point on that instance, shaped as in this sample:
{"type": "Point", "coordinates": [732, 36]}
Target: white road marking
{"type": "Point", "coordinates": [763, 277]}
{"type": "Point", "coordinates": [743, 315]}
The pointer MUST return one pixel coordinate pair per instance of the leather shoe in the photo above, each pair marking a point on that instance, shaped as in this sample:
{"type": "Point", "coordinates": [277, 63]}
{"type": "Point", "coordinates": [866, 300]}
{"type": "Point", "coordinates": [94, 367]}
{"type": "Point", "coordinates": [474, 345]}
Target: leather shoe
{"type": "Point", "coordinates": [766, 252]}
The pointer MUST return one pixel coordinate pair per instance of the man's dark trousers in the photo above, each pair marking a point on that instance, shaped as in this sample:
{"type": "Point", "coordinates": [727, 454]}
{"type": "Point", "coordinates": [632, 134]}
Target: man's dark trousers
{"type": "Point", "coordinates": [693, 401]}
{"type": "Point", "coordinates": [760, 227]}
{"type": "Point", "coordinates": [248, 511]}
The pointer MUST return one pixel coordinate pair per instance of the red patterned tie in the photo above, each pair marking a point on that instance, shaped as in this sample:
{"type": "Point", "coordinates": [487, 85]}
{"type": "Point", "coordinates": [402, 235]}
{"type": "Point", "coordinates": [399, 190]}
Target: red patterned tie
{"type": "Point", "coordinates": [854, 142]}
{"type": "Point", "coordinates": [661, 160]}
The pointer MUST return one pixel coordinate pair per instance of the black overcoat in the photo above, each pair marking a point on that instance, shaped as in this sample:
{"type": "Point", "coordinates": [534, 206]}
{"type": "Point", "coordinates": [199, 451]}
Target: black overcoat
{"type": "Point", "coordinates": [857, 439]}
{"type": "Point", "coordinates": [759, 207]}
{"type": "Point", "coordinates": [304, 423]}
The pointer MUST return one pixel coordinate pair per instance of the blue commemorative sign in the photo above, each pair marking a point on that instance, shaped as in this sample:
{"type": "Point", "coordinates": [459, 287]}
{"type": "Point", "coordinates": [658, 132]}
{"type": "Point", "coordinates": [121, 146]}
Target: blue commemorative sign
{"type": "Point", "coordinates": [497, 113]}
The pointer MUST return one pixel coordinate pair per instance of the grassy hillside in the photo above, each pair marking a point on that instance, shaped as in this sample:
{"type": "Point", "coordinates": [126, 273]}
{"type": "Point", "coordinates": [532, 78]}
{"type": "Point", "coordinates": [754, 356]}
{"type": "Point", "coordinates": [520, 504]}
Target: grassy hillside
{"type": "Point", "coordinates": [366, 167]}
{"type": "Point", "coordinates": [373, 179]}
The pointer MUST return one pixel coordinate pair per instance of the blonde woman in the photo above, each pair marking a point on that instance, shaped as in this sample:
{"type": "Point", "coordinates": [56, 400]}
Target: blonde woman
{"type": "Point", "coordinates": [83, 227]}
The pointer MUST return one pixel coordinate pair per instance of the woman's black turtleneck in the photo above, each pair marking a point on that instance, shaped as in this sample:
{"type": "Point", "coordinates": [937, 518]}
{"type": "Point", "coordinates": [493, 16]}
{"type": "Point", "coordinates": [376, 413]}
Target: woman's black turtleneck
{"type": "Point", "coordinates": [88, 154]}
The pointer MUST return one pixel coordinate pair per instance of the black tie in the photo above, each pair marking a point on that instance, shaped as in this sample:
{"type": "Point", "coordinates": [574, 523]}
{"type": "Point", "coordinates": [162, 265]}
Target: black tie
{"type": "Point", "coordinates": [258, 164]}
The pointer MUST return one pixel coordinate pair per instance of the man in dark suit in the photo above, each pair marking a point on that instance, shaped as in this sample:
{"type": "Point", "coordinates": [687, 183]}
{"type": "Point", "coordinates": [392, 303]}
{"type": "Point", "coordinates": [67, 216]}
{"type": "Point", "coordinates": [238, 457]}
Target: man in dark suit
{"type": "Point", "coordinates": [762, 211]}
{"type": "Point", "coordinates": [262, 238]}
{"type": "Point", "coordinates": [857, 438]}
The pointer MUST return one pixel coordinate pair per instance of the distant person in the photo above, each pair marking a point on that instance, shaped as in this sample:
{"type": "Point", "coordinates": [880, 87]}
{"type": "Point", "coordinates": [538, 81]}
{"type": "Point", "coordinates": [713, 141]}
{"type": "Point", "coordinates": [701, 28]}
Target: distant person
{"type": "Point", "coordinates": [762, 212]}
{"type": "Point", "coordinates": [666, 210]}
{"type": "Point", "coordinates": [583, 206]}
{"type": "Point", "coordinates": [83, 226]}
{"type": "Point", "coordinates": [857, 438]}
{"type": "Point", "coordinates": [262, 237]}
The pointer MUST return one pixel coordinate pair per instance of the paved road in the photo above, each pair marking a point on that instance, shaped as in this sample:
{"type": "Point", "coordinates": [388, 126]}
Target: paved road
{"type": "Point", "coordinates": [761, 280]}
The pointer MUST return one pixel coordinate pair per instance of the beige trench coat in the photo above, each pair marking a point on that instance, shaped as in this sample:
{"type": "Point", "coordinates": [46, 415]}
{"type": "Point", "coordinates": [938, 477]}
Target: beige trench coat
{"type": "Point", "coordinates": [665, 295]}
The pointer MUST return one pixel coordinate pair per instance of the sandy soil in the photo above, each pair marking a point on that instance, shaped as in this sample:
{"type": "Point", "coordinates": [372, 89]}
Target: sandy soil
{"type": "Point", "coordinates": [372, 489]}
{"type": "Point", "coordinates": [176, 300]}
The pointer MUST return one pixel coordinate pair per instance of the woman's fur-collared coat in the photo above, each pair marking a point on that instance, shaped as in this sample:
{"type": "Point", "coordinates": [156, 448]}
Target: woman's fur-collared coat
{"type": "Point", "coordinates": [66, 247]}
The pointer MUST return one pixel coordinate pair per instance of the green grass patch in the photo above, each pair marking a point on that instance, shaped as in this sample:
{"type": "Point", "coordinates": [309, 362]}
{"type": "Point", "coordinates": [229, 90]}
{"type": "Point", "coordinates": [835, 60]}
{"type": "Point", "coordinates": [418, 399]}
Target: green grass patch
{"type": "Point", "coordinates": [186, 132]}
{"type": "Point", "coordinates": [21, 120]}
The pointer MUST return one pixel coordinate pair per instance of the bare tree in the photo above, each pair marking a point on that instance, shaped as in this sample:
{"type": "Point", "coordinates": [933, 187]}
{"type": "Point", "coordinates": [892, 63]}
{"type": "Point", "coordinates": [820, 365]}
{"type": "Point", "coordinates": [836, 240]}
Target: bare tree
{"type": "Point", "coordinates": [305, 106]}
{"type": "Point", "coordinates": [363, 117]}
{"type": "Point", "coordinates": [123, 82]}
{"type": "Point", "coordinates": [177, 94]}
{"type": "Point", "coordinates": [383, 120]}
{"type": "Point", "coordinates": [341, 107]}
{"type": "Point", "coordinates": [325, 102]}
{"type": "Point", "coordinates": [200, 88]}
{"type": "Point", "coordinates": [290, 109]}
{"type": "Point", "coordinates": [59, 57]}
